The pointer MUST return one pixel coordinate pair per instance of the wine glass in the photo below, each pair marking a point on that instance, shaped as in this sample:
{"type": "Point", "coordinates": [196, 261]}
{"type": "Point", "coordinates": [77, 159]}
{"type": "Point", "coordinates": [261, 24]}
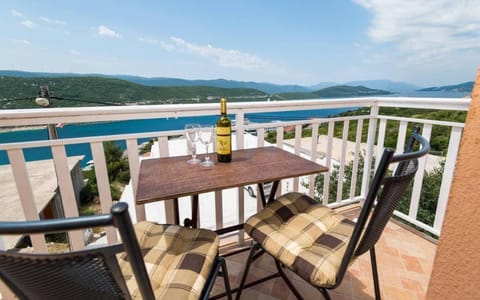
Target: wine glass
{"type": "Point", "coordinates": [192, 135]}
{"type": "Point", "coordinates": [206, 137]}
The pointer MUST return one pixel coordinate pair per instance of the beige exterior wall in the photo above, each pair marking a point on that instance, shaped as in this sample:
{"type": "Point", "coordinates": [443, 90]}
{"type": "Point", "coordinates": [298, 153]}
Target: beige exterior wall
{"type": "Point", "coordinates": [456, 269]}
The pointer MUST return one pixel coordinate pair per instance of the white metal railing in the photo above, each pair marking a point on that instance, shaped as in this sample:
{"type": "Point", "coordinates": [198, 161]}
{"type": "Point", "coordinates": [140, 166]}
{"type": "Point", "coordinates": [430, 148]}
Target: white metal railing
{"type": "Point", "coordinates": [375, 143]}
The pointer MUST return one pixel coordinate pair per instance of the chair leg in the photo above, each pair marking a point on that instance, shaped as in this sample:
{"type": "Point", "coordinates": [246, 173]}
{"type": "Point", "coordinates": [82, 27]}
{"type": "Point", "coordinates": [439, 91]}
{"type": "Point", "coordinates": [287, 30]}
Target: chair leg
{"type": "Point", "coordinates": [226, 278]}
{"type": "Point", "coordinates": [250, 258]}
{"type": "Point", "coordinates": [375, 273]}
{"type": "Point", "coordinates": [219, 268]}
{"type": "Point", "coordinates": [292, 287]}
{"type": "Point", "coordinates": [324, 293]}
{"type": "Point", "coordinates": [287, 281]}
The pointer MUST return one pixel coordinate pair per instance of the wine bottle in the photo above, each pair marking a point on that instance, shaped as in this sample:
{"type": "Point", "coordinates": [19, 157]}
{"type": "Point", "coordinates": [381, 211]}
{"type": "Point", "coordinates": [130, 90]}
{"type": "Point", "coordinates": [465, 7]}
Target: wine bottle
{"type": "Point", "coordinates": [224, 134]}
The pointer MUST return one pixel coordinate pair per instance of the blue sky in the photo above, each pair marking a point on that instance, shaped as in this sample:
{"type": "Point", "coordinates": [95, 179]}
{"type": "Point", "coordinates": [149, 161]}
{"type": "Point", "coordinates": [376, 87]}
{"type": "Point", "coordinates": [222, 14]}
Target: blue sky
{"type": "Point", "coordinates": [427, 43]}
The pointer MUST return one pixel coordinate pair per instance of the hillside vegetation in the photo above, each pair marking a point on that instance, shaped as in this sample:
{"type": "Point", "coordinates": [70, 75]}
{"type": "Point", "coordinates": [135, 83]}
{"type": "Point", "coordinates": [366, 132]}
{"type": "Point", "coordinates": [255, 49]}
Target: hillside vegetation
{"type": "Point", "coordinates": [459, 88]}
{"type": "Point", "coordinates": [113, 90]}
{"type": "Point", "coordinates": [439, 137]}
{"type": "Point", "coordinates": [339, 91]}
{"type": "Point", "coordinates": [98, 90]}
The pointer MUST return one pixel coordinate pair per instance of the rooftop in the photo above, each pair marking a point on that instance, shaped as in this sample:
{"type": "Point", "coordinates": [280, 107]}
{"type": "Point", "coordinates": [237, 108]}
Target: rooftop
{"type": "Point", "coordinates": [44, 185]}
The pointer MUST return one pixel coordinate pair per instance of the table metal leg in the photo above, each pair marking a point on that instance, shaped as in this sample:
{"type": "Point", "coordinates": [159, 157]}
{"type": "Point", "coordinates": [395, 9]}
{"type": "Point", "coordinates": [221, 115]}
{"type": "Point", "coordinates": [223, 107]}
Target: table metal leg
{"type": "Point", "coordinates": [193, 221]}
{"type": "Point", "coordinates": [273, 191]}
{"type": "Point", "coordinates": [176, 214]}
{"type": "Point", "coordinates": [194, 211]}
{"type": "Point", "coordinates": [261, 194]}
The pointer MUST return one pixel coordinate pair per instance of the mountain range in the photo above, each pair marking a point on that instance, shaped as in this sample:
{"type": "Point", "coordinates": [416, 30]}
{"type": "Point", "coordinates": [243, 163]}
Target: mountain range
{"type": "Point", "coordinates": [20, 92]}
{"type": "Point", "coordinates": [268, 88]}
{"type": "Point", "coordinates": [458, 88]}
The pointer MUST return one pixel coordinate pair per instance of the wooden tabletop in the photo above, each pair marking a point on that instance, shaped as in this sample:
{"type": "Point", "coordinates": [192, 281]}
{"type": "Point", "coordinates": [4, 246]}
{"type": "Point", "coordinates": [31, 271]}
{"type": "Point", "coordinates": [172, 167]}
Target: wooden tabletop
{"type": "Point", "coordinates": [172, 177]}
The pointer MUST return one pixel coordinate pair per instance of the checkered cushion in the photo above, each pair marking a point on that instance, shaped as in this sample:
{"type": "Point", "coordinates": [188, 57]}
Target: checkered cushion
{"type": "Point", "coordinates": [303, 235]}
{"type": "Point", "coordinates": [178, 260]}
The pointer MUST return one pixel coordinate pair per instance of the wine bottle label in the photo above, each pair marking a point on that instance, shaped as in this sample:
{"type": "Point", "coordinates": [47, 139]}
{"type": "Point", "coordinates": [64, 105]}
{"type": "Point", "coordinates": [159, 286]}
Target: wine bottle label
{"type": "Point", "coordinates": [223, 130]}
{"type": "Point", "coordinates": [223, 144]}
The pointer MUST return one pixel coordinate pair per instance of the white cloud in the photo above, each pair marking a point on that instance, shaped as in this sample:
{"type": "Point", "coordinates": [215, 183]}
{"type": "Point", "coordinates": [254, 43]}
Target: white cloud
{"type": "Point", "coordinates": [16, 13]}
{"type": "Point", "coordinates": [167, 46]}
{"type": "Point", "coordinates": [223, 57]}
{"type": "Point", "coordinates": [74, 52]}
{"type": "Point", "coordinates": [104, 31]}
{"type": "Point", "coordinates": [425, 29]}
{"type": "Point", "coordinates": [23, 42]}
{"type": "Point", "coordinates": [148, 40]}
{"type": "Point", "coordinates": [53, 21]}
{"type": "Point", "coordinates": [28, 24]}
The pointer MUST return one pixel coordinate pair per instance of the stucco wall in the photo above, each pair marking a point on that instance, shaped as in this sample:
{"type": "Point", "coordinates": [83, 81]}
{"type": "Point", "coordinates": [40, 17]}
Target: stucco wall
{"type": "Point", "coordinates": [456, 269]}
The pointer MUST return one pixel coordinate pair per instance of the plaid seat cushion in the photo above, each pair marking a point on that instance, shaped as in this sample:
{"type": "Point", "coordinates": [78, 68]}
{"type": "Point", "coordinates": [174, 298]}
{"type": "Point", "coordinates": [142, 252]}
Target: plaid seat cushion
{"type": "Point", "coordinates": [178, 260]}
{"type": "Point", "coordinates": [305, 236]}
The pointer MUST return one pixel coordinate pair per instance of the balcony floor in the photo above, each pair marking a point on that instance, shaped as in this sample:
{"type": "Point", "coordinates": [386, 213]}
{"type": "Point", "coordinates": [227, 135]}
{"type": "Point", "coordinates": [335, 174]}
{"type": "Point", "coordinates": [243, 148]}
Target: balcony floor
{"type": "Point", "coordinates": [404, 261]}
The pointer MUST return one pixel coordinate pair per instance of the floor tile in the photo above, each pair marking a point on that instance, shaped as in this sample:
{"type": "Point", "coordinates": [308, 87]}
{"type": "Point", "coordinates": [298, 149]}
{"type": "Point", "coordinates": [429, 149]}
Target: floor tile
{"type": "Point", "coordinates": [404, 262]}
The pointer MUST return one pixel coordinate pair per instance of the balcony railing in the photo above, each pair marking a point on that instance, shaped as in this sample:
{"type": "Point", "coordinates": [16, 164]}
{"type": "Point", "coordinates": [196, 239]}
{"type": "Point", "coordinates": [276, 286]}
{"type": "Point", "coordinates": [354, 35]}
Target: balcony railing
{"type": "Point", "coordinates": [375, 137]}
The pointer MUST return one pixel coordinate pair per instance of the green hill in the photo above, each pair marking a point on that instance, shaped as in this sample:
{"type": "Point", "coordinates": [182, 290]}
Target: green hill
{"type": "Point", "coordinates": [339, 91]}
{"type": "Point", "coordinates": [89, 91]}
{"type": "Point", "coordinates": [96, 89]}
{"type": "Point", "coordinates": [462, 87]}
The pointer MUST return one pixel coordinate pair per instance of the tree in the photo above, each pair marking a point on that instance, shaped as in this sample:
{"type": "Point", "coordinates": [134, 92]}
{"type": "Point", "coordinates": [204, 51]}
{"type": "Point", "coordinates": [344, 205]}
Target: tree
{"type": "Point", "coordinates": [333, 185]}
{"type": "Point", "coordinates": [118, 174]}
{"type": "Point", "coordinates": [428, 198]}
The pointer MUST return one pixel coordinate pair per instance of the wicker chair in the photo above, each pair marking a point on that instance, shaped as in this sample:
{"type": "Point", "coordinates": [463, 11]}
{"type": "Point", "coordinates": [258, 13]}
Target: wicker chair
{"type": "Point", "coordinates": [153, 262]}
{"type": "Point", "coordinates": [319, 244]}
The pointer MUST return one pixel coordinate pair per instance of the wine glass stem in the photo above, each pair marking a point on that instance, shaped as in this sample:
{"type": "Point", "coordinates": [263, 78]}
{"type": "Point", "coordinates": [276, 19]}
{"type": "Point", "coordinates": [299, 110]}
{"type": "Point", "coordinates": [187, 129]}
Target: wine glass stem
{"type": "Point", "coordinates": [207, 157]}
{"type": "Point", "coordinates": [194, 151]}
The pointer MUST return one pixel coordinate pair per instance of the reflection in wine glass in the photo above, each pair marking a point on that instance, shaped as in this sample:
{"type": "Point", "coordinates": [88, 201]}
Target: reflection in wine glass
{"type": "Point", "coordinates": [192, 135]}
{"type": "Point", "coordinates": [206, 137]}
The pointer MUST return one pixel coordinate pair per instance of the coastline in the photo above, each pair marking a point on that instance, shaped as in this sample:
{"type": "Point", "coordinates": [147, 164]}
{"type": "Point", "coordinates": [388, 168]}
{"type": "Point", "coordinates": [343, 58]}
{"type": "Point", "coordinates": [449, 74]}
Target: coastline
{"type": "Point", "coordinates": [21, 128]}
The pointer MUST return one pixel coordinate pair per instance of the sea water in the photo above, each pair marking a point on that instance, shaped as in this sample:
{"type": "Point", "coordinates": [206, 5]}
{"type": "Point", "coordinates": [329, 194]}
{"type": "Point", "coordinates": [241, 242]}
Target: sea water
{"type": "Point", "coordinates": [136, 126]}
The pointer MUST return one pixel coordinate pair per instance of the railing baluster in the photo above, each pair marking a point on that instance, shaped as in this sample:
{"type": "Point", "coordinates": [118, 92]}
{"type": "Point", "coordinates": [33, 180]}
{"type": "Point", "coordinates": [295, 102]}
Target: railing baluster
{"type": "Point", "coordinates": [103, 184]}
{"type": "Point", "coordinates": [449, 168]}
{"type": "Point", "coordinates": [260, 143]}
{"type": "Point", "coordinates": [382, 129]}
{"type": "Point", "coordinates": [328, 153]}
{"type": "Point", "coordinates": [241, 215]}
{"type": "Point", "coordinates": [341, 171]}
{"type": "Point", "coordinates": [168, 204]}
{"type": "Point", "coordinates": [358, 141]}
{"type": "Point", "coordinates": [240, 124]}
{"type": "Point", "coordinates": [240, 129]}
{"type": "Point", "coordinates": [218, 209]}
{"type": "Point", "coordinates": [313, 157]}
{"type": "Point", "coordinates": [372, 128]}
{"type": "Point", "coordinates": [418, 181]}
{"type": "Point", "coordinates": [260, 137]}
{"type": "Point", "coordinates": [402, 134]}
{"type": "Point", "coordinates": [279, 145]}
{"type": "Point", "coordinates": [298, 144]}
{"type": "Point", "coordinates": [163, 146]}
{"type": "Point", "coordinates": [134, 165]}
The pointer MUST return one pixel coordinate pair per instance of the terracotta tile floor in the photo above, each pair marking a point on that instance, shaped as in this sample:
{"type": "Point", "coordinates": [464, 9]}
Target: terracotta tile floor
{"type": "Point", "coordinates": [404, 264]}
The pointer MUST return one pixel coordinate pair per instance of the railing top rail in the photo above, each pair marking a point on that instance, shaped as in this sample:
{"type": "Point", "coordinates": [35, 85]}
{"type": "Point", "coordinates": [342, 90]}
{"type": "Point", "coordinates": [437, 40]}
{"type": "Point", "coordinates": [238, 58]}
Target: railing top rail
{"type": "Point", "coordinates": [425, 103]}
{"type": "Point", "coordinates": [41, 116]}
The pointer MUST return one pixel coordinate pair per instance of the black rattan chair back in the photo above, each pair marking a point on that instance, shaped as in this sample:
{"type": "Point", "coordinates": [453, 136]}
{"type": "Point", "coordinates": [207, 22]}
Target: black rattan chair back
{"type": "Point", "coordinates": [393, 189]}
{"type": "Point", "coordinates": [383, 197]}
{"type": "Point", "coordinates": [87, 274]}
